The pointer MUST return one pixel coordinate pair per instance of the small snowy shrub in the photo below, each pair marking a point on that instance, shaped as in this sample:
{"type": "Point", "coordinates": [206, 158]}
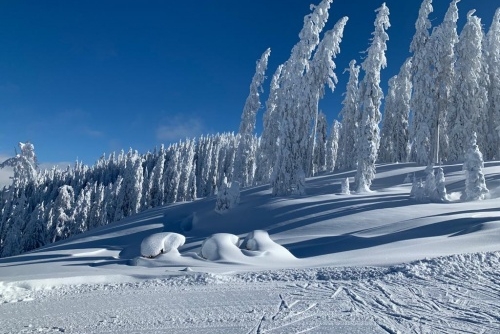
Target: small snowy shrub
{"type": "Point", "coordinates": [407, 178]}
{"type": "Point", "coordinates": [475, 184]}
{"type": "Point", "coordinates": [441, 194]}
{"type": "Point", "coordinates": [345, 187]}
{"type": "Point", "coordinates": [227, 197]}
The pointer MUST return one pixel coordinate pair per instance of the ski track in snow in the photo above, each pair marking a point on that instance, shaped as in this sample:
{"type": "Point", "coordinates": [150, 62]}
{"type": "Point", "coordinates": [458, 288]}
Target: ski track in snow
{"type": "Point", "coordinates": [454, 294]}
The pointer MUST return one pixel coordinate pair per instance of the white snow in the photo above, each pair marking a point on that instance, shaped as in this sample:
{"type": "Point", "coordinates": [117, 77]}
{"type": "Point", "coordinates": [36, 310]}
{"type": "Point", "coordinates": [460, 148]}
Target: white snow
{"type": "Point", "coordinates": [160, 243]}
{"type": "Point", "coordinates": [320, 263]}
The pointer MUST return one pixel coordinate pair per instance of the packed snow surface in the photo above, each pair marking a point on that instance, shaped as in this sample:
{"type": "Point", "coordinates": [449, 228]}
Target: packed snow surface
{"type": "Point", "coordinates": [326, 262]}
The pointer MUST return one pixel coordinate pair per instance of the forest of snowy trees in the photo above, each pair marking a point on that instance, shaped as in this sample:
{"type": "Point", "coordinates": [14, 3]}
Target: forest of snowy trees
{"type": "Point", "coordinates": [447, 90]}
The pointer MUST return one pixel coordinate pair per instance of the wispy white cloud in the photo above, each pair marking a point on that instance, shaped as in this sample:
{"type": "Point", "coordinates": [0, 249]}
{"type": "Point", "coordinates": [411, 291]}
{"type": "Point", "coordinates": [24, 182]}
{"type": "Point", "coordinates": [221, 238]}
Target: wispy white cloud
{"type": "Point", "coordinates": [179, 127]}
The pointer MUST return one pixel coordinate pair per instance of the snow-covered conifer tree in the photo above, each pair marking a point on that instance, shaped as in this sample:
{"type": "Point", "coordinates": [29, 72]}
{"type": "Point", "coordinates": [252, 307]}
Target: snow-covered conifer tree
{"type": "Point", "coordinates": [319, 157]}
{"type": "Point", "coordinates": [370, 99]}
{"type": "Point", "coordinates": [345, 186]}
{"type": "Point", "coordinates": [351, 118]}
{"type": "Point", "coordinates": [442, 196]}
{"type": "Point", "coordinates": [292, 160]}
{"type": "Point", "coordinates": [443, 41]}
{"type": "Point", "coordinates": [394, 140]}
{"type": "Point", "coordinates": [421, 101]}
{"type": "Point", "coordinates": [388, 123]}
{"type": "Point", "coordinates": [493, 63]}
{"type": "Point", "coordinates": [270, 133]}
{"type": "Point", "coordinates": [401, 138]}
{"type": "Point", "coordinates": [321, 72]}
{"type": "Point", "coordinates": [63, 210]}
{"type": "Point", "coordinates": [245, 156]}
{"type": "Point", "coordinates": [475, 184]}
{"type": "Point", "coordinates": [469, 95]}
{"type": "Point", "coordinates": [332, 146]}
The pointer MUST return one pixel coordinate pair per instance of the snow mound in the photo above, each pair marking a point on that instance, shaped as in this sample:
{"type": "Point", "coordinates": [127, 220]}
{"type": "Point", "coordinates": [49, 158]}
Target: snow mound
{"type": "Point", "coordinates": [259, 243]}
{"type": "Point", "coordinates": [160, 243]}
{"type": "Point", "coordinates": [220, 246]}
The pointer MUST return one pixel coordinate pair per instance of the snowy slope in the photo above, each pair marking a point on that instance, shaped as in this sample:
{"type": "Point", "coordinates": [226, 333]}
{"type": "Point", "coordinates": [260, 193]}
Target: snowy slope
{"type": "Point", "coordinates": [377, 262]}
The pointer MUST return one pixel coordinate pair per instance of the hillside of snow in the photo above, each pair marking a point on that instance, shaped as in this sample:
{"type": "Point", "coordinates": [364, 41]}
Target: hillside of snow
{"type": "Point", "coordinates": [325, 262]}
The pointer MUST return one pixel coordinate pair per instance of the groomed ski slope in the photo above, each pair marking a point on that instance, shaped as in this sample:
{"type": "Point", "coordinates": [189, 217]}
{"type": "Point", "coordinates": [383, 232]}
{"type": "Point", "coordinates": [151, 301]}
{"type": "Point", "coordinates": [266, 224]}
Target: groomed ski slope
{"type": "Point", "coordinates": [361, 263]}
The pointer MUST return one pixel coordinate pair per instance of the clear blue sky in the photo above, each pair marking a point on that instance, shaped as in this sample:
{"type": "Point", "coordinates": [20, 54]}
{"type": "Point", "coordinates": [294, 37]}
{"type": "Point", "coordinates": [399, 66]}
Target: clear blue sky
{"type": "Point", "coordinates": [82, 78]}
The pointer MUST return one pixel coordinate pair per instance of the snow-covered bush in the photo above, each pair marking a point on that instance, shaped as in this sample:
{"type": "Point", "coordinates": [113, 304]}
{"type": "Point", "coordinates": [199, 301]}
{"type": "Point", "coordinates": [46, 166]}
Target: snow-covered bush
{"type": "Point", "coordinates": [227, 197]}
{"type": "Point", "coordinates": [432, 190]}
{"type": "Point", "coordinates": [160, 243]}
{"type": "Point", "coordinates": [345, 187]}
{"type": "Point", "coordinates": [475, 184]}
{"type": "Point", "coordinates": [441, 194]}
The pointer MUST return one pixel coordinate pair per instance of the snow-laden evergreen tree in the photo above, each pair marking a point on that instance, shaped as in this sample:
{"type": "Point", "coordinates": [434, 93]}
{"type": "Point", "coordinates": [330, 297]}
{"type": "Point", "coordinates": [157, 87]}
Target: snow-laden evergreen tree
{"type": "Point", "coordinates": [63, 212]}
{"type": "Point", "coordinates": [155, 181]}
{"type": "Point", "coordinates": [388, 123]}
{"type": "Point", "coordinates": [24, 164]}
{"type": "Point", "coordinates": [332, 146]}
{"type": "Point", "coordinates": [319, 158]}
{"type": "Point", "coordinates": [321, 72]}
{"type": "Point", "coordinates": [294, 98]}
{"type": "Point", "coordinates": [228, 196]}
{"type": "Point", "coordinates": [443, 41]}
{"type": "Point", "coordinates": [475, 184]}
{"type": "Point", "coordinates": [395, 137]}
{"type": "Point", "coordinates": [493, 64]}
{"type": "Point", "coordinates": [270, 133]}
{"type": "Point", "coordinates": [351, 118]}
{"type": "Point", "coordinates": [35, 233]}
{"type": "Point", "coordinates": [188, 155]}
{"type": "Point", "coordinates": [421, 101]}
{"type": "Point", "coordinates": [441, 195]}
{"type": "Point", "coordinates": [245, 157]}
{"type": "Point", "coordinates": [344, 185]}
{"type": "Point", "coordinates": [469, 93]}
{"type": "Point", "coordinates": [401, 136]}
{"type": "Point", "coordinates": [370, 99]}
{"type": "Point", "coordinates": [430, 188]}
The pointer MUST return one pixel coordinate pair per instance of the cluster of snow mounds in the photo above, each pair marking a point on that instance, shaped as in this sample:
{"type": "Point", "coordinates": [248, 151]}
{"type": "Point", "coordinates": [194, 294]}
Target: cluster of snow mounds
{"type": "Point", "coordinates": [258, 242]}
{"type": "Point", "coordinates": [160, 243]}
{"type": "Point", "coordinates": [225, 247]}
{"type": "Point", "coordinates": [220, 246]}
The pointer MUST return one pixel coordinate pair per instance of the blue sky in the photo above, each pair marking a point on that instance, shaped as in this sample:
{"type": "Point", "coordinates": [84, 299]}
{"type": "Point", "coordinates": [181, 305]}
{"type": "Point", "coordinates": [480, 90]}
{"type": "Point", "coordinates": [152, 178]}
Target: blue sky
{"type": "Point", "coordinates": [82, 78]}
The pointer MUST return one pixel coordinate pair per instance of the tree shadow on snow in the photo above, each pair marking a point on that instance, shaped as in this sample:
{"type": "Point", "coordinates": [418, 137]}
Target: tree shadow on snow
{"type": "Point", "coordinates": [350, 242]}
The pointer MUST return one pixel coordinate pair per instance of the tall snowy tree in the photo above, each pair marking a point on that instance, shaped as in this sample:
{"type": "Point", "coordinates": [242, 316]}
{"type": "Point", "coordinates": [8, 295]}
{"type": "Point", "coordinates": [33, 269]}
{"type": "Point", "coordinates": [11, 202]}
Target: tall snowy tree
{"type": "Point", "coordinates": [291, 164]}
{"type": "Point", "coordinates": [386, 137]}
{"type": "Point", "coordinates": [351, 118]}
{"type": "Point", "coordinates": [245, 156]}
{"type": "Point", "coordinates": [475, 184]}
{"type": "Point", "coordinates": [469, 93]}
{"type": "Point", "coordinates": [370, 99]}
{"type": "Point", "coordinates": [319, 157]}
{"type": "Point", "coordinates": [332, 146]}
{"type": "Point", "coordinates": [394, 139]}
{"type": "Point", "coordinates": [270, 133]}
{"type": "Point", "coordinates": [443, 41]}
{"type": "Point", "coordinates": [401, 133]}
{"type": "Point", "coordinates": [493, 63]}
{"type": "Point", "coordinates": [421, 102]}
{"type": "Point", "coordinates": [321, 72]}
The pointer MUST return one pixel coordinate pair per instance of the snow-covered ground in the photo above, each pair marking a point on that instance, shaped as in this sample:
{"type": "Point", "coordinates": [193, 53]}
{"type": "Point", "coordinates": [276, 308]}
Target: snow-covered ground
{"type": "Point", "coordinates": [322, 263]}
